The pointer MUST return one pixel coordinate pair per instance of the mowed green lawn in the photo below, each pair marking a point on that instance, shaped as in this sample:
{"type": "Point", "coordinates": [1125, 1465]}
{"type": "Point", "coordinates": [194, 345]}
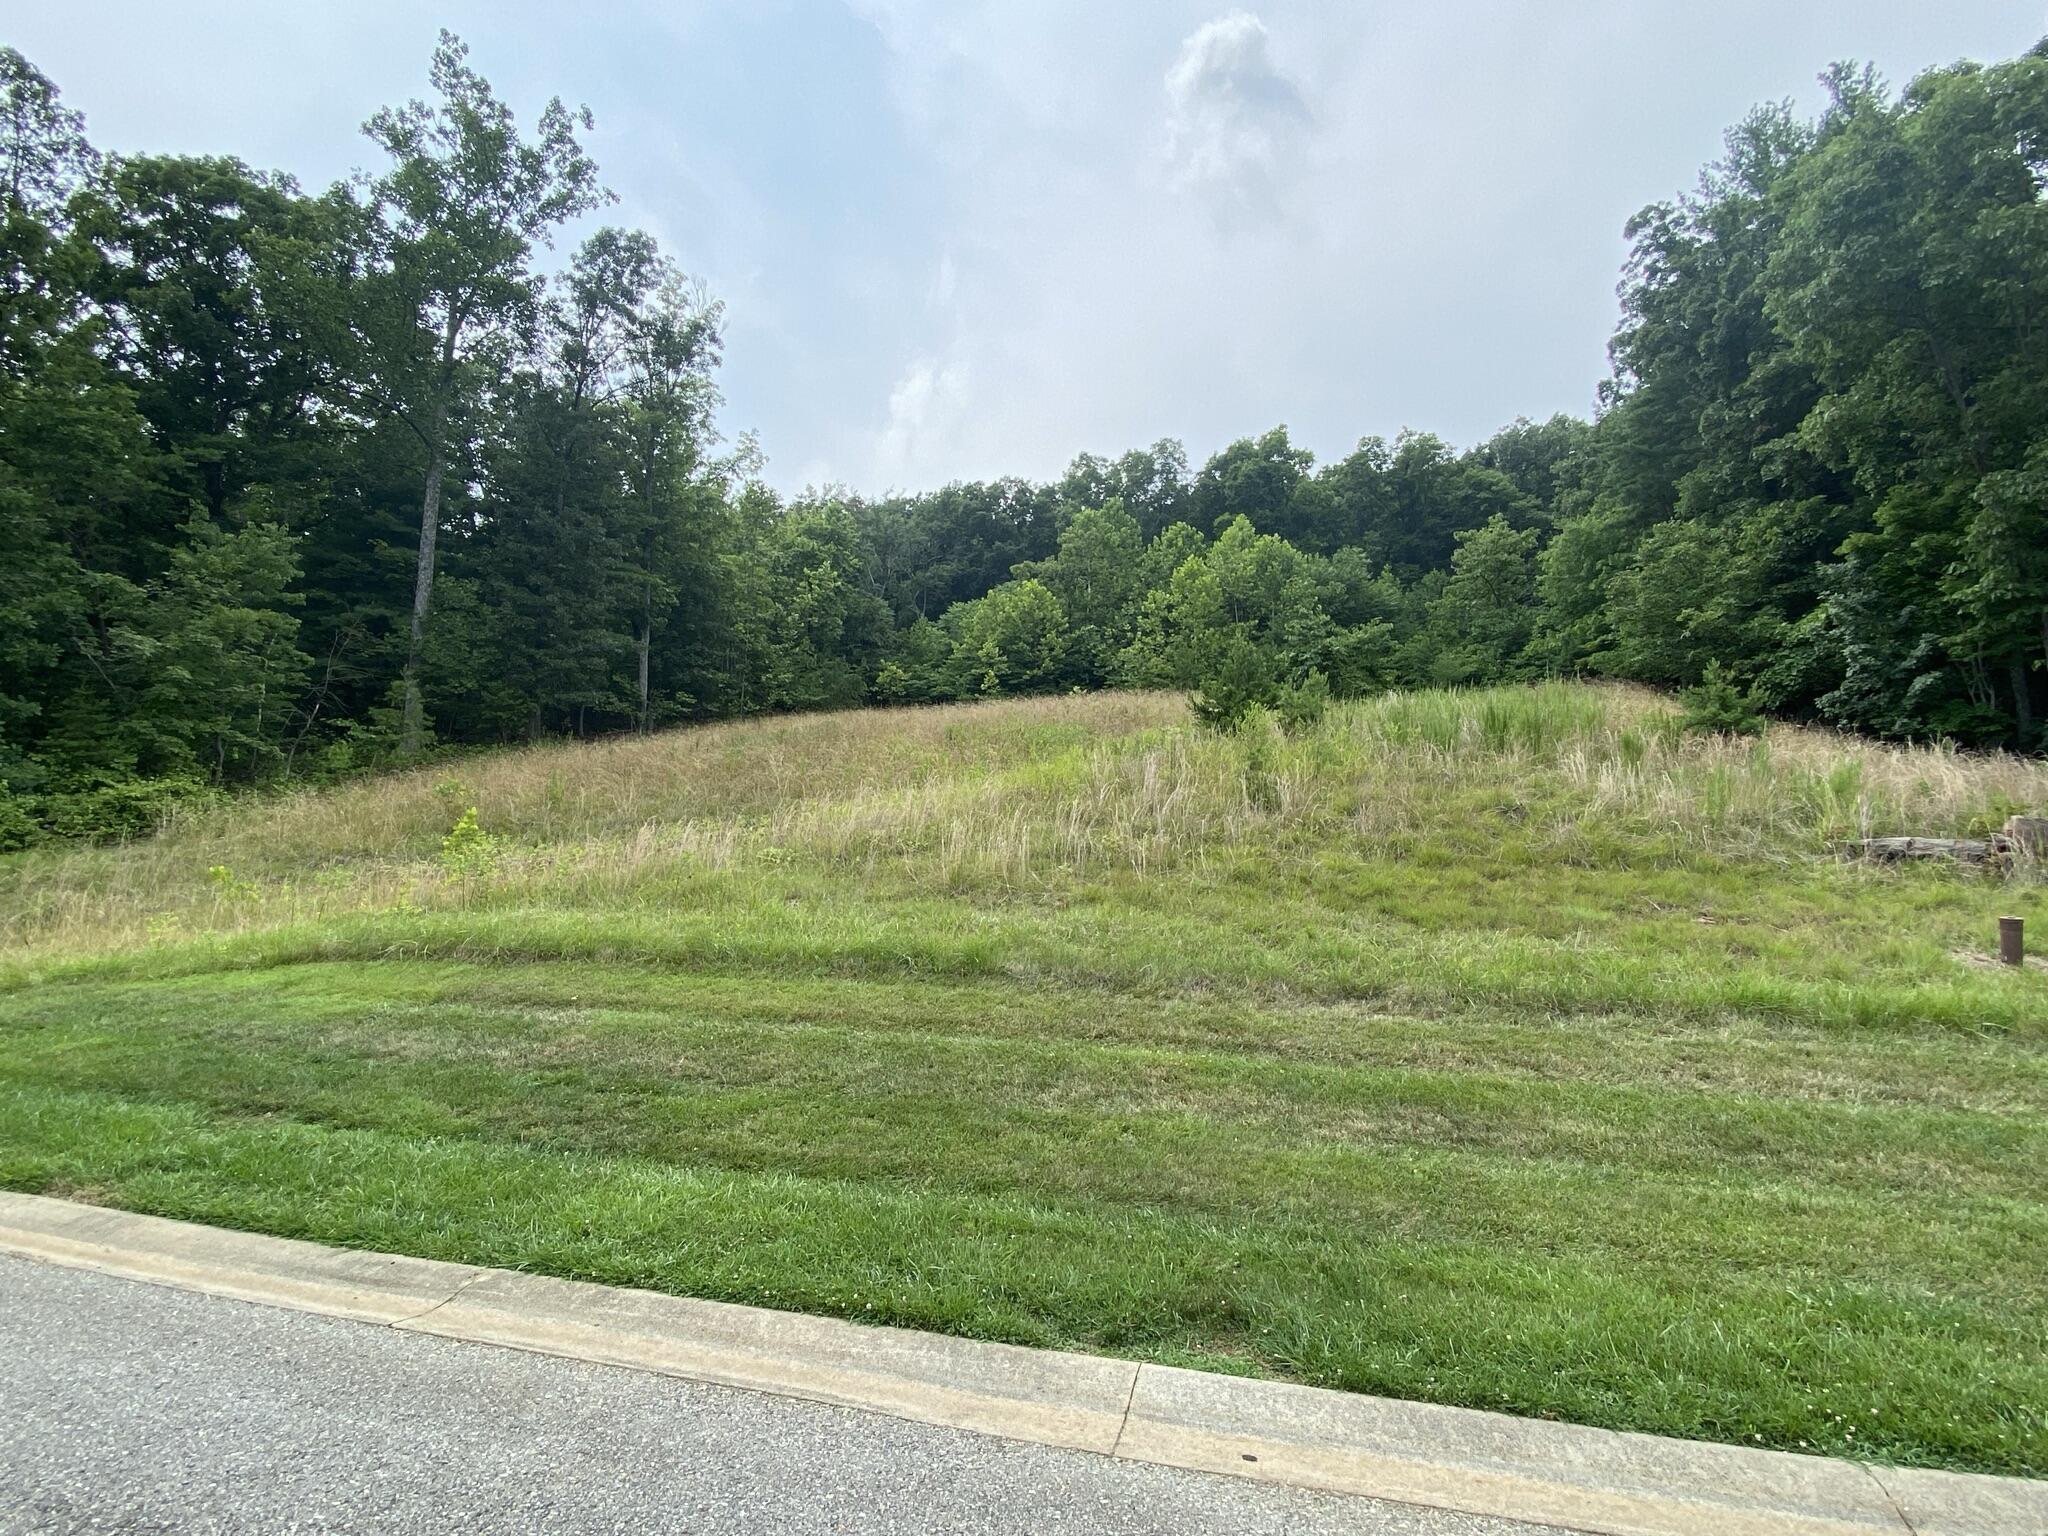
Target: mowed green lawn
{"type": "Point", "coordinates": [1504, 1049]}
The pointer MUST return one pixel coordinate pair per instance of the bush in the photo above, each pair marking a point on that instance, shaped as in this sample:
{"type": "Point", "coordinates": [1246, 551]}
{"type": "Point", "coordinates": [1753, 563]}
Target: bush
{"type": "Point", "coordinates": [1242, 677]}
{"type": "Point", "coordinates": [19, 827]}
{"type": "Point", "coordinates": [892, 683]}
{"type": "Point", "coordinates": [126, 808]}
{"type": "Point", "coordinates": [1718, 708]}
{"type": "Point", "coordinates": [468, 849]}
{"type": "Point", "coordinates": [1248, 678]}
{"type": "Point", "coordinates": [1298, 708]}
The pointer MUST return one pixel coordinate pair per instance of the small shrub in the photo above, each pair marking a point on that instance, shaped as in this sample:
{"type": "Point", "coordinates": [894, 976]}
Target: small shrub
{"type": "Point", "coordinates": [468, 849]}
{"type": "Point", "coordinates": [228, 885]}
{"type": "Point", "coordinates": [892, 683]}
{"type": "Point", "coordinates": [1248, 676]}
{"type": "Point", "coordinates": [1243, 676]}
{"type": "Point", "coordinates": [1300, 707]}
{"type": "Point", "coordinates": [1718, 708]}
{"type": "Point", "coordinates": [19, 827]}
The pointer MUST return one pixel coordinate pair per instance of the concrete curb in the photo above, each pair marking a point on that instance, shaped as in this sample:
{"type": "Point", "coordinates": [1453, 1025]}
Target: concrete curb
{"type": "Point", "coordinates": [1564, 1475]}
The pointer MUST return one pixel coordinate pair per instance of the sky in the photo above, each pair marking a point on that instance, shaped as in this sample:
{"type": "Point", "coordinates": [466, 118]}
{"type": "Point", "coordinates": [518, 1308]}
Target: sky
{"type": "Point", "coordinates": [960, 240]}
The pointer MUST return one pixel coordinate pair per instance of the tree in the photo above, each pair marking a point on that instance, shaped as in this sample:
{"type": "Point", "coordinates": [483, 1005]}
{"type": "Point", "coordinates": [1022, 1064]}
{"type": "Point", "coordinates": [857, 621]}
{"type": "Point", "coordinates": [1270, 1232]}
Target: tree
{"type": "Point", "coordinates": [1014, 640]}
{"type": "Point", "coordinates": [217, 666]}
{"type": "Point", "coordinates": [672, 344]}
{"type": "Point", "coordinates": [201, 266]}
{"type": "Point", "coordinates": [448, 290]}
{"type": "Point", "coordinates": [808, 631]}
{"type": "Point", "coordinates": [1717, 707]}
{"type": "Point", "coordinates": [1097, 577]}
{"type": "Point", "coordinates": [1152, 483]}
{"type": "Point", "coordinates": [1910, 280]}
{"type": "Point", "coordinates": [1431, 496]}
{"type": "Point", "coordinates": [1257, 479]}
{"type": "Point", "coordinates": [2001, 586]}
{"type": "Point", "coordinates": [1480, 625]}
{"type": "Point", "coordinates": [74, 462]}
{"type": "Point", "coordinates": [1247, 586]}
{"type": "Point", "coordinates": [952, 545]}
{"type": "Point", "coordinates": [556, 547]}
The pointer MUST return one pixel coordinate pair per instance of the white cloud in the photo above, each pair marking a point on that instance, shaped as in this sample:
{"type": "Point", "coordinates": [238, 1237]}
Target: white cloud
{"type": "Point", "coordinates": [924, 411]}
{"type": "Point", "coordinates": [1235, 121]}
{"type": "Point", "coordinates": [1159, 220]}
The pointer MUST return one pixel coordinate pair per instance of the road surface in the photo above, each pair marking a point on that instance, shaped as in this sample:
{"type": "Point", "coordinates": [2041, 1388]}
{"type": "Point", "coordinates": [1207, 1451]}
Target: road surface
{"type": "Point", "coordinates": [127, 1407]}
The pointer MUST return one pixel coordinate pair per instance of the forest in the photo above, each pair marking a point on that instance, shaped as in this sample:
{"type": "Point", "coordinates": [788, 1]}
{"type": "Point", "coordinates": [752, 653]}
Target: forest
{"type": "Point", "coordinates": [295, 484]}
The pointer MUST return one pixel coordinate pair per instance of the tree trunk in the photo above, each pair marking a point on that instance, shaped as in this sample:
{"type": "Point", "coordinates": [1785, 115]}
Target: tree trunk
{"type": "Point", "coordinates": [411, 715]}
{"type": "Point", "coordinates": [410, 720]}
{"type": "Point", "coordinates": [646, 649]}
{"type": "Point", "coordinates": [2022, 704]}
{"type": "Point", "coordinates": [654, 525]}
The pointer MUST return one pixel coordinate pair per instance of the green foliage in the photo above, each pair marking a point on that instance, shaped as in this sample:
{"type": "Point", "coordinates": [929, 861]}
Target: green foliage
{"type": "Point", "coordinates": [1779, 406]}
{"type": "Point", "coordinates": [1301, 705]}
{"type": "Point", "coordinates": [122, 809]}
{"type": "Point", "coordinates": [1480, 624]}
{"type": "Point", "coordinates": [1014, 640]}
{"type": "Point", "coordinates": [1246, 691]}
{"type": "Point", "coordinates": [1716, 707]}
{"type": "Point", "coordinates": [893, 682]}
{"type": "Point", "coordinates": [1097, 577]}
{"type": "Point", "coordinates": [294, 484]}
{"type": "Point", "coordinates": [1244, 678]}
{"type": "Point", "coordinates": [467, 849]}
{"type": "Point", "coordinates": [19, 825]}
{"type": "Point", "coordinates": [228, 885]}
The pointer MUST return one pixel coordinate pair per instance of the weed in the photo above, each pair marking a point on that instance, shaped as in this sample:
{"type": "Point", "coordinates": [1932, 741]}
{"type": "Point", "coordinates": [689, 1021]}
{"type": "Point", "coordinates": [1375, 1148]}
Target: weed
{"type": "Point", "coordinates": [468, 851]}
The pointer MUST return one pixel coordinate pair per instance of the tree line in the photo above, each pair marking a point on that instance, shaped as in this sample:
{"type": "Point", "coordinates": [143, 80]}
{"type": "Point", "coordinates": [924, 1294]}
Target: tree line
{"type": "Point", "coordinates": [295, 483]}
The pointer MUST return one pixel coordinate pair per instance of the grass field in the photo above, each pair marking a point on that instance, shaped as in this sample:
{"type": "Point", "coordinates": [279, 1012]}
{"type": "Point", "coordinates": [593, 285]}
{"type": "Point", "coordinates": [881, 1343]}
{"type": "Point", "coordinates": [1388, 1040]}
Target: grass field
{"type": "Point", "coordinates": [1501, 1048]}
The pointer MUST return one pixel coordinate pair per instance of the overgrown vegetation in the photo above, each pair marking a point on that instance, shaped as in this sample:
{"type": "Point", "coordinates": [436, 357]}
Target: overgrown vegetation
{"type": "Point", "coordinates": [296, 484]}
{"type": "Point", "coordinates": [1518, 1048]}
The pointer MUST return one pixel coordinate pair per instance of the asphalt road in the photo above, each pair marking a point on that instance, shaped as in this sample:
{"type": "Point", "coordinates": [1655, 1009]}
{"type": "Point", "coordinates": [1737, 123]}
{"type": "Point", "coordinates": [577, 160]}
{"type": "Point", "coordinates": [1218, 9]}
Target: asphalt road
{"type": "Point", "coordinates": [133, 1408]}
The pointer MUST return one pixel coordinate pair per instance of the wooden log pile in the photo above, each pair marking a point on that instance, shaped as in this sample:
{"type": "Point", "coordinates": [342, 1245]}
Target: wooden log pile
{"type": "Point", "coordinates": [2021, 837]}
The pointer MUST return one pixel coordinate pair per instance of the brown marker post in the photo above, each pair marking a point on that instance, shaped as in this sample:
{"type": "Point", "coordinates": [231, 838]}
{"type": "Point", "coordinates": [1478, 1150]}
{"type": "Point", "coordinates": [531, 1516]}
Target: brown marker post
{"type": "Point", "coordinates": [2012, 940]}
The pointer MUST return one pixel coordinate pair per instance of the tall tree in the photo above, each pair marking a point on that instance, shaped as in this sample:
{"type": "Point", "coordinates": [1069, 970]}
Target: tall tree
{"type": "Point", "coordinates": [671, 344]}
{"type": "Point", "coordinates": [200, 266]}
{"type": "Point", "coordinates": [450, 287]}
{"type": "Point", "coordinates": [1912, 278]}
{"type": "Point", "coordinates": [67, 437]}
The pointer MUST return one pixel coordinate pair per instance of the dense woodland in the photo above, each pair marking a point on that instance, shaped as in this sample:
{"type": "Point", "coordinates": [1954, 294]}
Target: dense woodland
{"type": "Point", "coordinates": [296, 483]}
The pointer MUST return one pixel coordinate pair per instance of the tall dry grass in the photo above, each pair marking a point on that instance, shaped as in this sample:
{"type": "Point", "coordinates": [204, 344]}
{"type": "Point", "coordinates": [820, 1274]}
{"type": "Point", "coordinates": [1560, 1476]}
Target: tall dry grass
{"type": "Point", "coordinates": [1002, 796]}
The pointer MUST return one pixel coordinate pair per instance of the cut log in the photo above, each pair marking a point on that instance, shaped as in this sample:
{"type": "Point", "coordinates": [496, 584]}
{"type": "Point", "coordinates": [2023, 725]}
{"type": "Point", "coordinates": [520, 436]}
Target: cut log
{"type": "Point", "coordinates": [1893, 850]}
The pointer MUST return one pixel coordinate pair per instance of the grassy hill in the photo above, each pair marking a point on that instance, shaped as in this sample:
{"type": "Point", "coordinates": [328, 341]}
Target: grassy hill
{"type": "Point", "coordinates": [1500, 1048]}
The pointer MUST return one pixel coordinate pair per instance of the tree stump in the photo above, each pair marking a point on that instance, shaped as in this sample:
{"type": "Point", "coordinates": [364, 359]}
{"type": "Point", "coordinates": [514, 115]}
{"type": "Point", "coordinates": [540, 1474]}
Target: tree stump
{"type": "Point", "coordinates": [2027, 835]}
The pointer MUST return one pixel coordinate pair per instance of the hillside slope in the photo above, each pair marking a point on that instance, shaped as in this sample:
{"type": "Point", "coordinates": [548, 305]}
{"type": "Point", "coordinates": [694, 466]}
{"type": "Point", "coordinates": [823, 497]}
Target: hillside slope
{"type": "Point", "coordinates": [1503, 1048]}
